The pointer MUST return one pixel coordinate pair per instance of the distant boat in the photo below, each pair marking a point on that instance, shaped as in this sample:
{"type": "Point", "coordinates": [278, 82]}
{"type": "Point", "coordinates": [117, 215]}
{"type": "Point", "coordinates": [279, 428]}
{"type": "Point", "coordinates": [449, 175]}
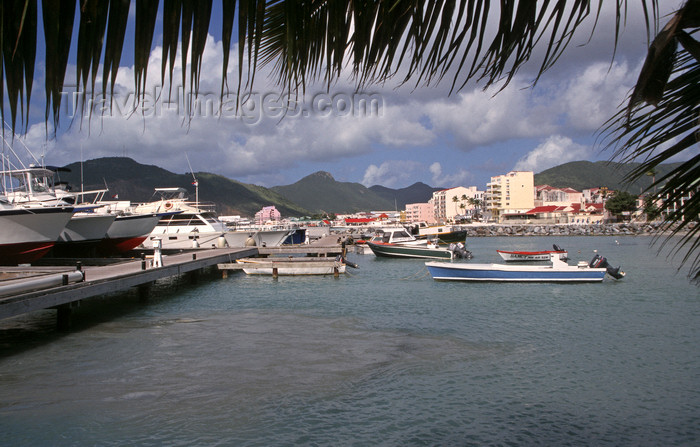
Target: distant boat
{"type": "Point", "coordinates": [544, 255]}
{"type": "Point", "coordinates": [445, 233]}
{"type": "Point", "coordinates": [558, 271]}
{"type": "Point", "coordinates": [429, 251]}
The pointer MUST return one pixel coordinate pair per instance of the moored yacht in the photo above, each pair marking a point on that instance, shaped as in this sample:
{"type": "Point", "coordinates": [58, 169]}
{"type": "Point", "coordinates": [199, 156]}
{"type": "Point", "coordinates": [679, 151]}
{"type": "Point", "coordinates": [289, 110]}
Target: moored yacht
{"type": "Point", "coordinates": [28, 232]}
{"type": "Point", "coordinates": [183, 224]}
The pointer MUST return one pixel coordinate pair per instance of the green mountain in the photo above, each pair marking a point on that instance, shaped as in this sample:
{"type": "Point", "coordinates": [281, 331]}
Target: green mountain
{"type": "Point", "coordinates": [416, 193]}
{"type": "Point", "coordinates": [585, 174]}
{"type": "Point", "coordinates": [133, 181]}
{"type": "Point", "coordinates": [320, 192]}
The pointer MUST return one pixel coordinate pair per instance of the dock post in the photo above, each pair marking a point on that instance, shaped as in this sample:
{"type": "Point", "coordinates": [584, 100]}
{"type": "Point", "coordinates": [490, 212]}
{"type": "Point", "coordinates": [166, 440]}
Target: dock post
{"type": "Point", "coordinates": [336, 273]}
{"type": "Point", "coordinates": [224, 273]}
{"type": "Point", "coordinates": [274, 272]}
{"type": "Point", "coordinates": [64, 315]}
{"type": "Point", "coordinates": [143, 292]}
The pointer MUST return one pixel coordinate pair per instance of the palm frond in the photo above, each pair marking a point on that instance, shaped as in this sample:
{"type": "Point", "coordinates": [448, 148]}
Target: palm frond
{"type": "Point", "coordinates": [58, 18]}
{"type": "Point", "coordinates": [662, 121]}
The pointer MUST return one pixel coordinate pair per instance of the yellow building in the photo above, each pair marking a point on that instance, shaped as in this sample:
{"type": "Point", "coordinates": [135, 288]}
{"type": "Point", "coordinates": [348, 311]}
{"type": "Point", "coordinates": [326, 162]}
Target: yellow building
{"type": "Point", "coordinates": [510, 195]}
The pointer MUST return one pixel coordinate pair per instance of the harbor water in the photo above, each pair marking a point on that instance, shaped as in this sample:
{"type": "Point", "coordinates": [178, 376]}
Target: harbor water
{"type": "Point", "coordinates": [381, 356]}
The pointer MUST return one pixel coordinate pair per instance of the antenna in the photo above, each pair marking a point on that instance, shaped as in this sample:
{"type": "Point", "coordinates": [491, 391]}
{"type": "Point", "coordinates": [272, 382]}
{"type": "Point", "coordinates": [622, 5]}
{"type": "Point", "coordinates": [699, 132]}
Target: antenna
{"type": "Point", "coordinates": [195, 183]}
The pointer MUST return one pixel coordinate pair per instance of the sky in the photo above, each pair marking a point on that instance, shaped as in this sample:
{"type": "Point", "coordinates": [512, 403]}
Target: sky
{"type": "Point", "coordinates": [409, 134]}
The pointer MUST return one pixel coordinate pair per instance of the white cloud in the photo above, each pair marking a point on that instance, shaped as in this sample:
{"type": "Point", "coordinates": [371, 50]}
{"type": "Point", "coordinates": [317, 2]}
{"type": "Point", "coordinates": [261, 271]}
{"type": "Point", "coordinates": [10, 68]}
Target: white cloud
{"type": "Point", "coordinates": [460, 178]}
{"type": "Point", "coordinates": [392, 173]}
{"type": "Point", "coordinates": [554, 151]}
{"type": "Point", "coordinates": [594, 96]}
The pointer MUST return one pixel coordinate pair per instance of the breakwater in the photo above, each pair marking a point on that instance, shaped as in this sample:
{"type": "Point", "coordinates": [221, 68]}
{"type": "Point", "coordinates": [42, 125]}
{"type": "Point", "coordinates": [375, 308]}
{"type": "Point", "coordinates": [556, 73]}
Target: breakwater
{"type": "Point", "coordinates": [607, 229]}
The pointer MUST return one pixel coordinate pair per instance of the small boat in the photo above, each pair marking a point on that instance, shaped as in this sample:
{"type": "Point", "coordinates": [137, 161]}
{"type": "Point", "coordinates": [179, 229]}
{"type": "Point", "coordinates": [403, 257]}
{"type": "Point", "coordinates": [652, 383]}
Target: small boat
{"type": "Point", "coordinates": [428, 251]}
{"type": "Point", "coordinates": [292, 266]}
{"type": "Point", "coordinates": [446, 233]}
{"type": "Point", "coordinates": [397, 236]}
{"type": "Point", "coordinates": [544, 255]}
{"type": "Point", "coordinates": [558, 271]}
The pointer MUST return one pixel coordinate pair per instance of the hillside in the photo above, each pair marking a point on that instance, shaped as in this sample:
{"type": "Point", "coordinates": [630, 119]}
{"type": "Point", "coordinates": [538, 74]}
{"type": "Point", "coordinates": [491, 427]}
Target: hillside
{"type": "Point", "coordinates": [133, 181]}
{"type": "Point", "coordinates": [416, 193]}
{"type": "Point", "coordinates": [320, 192]}
{"type": "Point", "coordinates": [585, 174]}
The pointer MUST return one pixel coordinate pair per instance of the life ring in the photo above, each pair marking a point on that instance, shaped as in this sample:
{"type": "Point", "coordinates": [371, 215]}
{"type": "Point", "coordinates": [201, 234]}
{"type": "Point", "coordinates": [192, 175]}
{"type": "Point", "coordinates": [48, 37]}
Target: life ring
{"type": "Point", "coordinates": [168, 205]}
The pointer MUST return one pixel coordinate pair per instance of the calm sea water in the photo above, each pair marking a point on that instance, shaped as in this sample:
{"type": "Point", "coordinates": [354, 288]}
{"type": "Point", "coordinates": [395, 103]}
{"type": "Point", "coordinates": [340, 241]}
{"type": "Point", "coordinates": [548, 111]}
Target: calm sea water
{"type": "Point", "coordinates": [383, 356]}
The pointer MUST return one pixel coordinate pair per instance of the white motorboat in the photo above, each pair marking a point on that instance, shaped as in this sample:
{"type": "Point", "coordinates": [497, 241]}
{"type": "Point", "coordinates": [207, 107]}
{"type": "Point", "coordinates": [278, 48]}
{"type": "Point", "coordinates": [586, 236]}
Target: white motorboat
{"type": "Point", "coordinates": [542, 255]}
{"type": "Point", "coordinates": [557, 271]}
{"type": "Point", "coordinates": [397, 236]}
{"type": "Point", "coordinates": [127, 232]}
{"type": "Point", "coordinates": [28, 232]}
{"type": "Point", "coordinates": [183, 224]}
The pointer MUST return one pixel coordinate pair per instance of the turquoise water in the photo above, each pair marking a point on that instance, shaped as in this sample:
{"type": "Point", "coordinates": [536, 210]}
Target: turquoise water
{"type": "Point", "coordinates": [381, 356]}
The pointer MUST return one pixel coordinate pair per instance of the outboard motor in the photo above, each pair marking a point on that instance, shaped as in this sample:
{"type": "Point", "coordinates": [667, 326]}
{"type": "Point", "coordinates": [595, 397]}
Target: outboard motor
{"type": "Point", "coordinates": [600, 262]}
{"type": "Point", "coordinates": [460, 251]}
{"type": "Point", "coordinates": [558, 248]}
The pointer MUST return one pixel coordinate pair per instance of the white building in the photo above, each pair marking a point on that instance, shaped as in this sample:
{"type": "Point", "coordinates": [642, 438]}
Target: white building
{"type": "Point", "coordinates": [450, 203]}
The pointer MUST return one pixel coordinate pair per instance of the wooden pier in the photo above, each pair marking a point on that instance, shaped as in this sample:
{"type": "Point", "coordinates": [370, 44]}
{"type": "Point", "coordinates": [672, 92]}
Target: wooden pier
{"type": "Point", "coordinates": [70, 288]}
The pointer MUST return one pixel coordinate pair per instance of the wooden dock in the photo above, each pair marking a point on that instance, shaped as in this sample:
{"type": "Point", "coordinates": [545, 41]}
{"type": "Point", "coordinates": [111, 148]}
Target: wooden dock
{"type": "Point", "coordinates": [276, 266]}
{"type": "Point", "coordinates": [70, 289]}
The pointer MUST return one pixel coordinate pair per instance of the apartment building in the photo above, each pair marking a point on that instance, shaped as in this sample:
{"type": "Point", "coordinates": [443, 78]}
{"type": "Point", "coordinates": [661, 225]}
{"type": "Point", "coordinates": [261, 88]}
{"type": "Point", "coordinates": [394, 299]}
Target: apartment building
{"type": "Point", "coordinates": [510, 195]}
{"type": "Point", "coordinates": [420, 212]}
{"type": "Point", "coordinates": [450, 203]}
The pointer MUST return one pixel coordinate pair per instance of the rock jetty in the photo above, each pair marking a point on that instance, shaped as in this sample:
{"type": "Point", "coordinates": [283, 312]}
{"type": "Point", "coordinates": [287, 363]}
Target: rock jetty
{"type": "Point", "coordinates": [607, 229]}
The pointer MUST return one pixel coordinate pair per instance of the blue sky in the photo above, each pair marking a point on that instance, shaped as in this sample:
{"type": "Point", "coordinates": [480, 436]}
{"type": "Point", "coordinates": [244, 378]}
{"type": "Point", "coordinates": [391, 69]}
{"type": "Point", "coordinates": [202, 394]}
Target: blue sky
{"type": "Point", "coordinates": [415, 134]}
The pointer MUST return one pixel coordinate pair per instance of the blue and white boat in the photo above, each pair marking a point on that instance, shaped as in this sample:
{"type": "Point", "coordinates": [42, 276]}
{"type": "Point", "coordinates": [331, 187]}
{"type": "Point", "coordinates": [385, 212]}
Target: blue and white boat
{"type": "Point", "coordinates": [558, 271]}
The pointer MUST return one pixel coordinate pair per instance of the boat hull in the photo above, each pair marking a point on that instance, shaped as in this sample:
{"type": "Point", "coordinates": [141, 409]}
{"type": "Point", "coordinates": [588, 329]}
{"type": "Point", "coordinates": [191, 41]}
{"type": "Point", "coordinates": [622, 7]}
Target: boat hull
{"type": "Point", "coordinates": [441, 271]}
{"type": "Point", "coordinates": [29, 233]}
{"type": "Point", "coordinates": [408, 251]}
{"type": "Point", "coordinates": [518, 256]}
{"type": "Point", "coordinates": [127, 233]}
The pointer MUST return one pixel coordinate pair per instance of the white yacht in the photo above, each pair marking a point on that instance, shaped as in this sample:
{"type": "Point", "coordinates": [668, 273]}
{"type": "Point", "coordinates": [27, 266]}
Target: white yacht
{"type": "Point", "coordinates": [28, 232]}
{"type": "Point", "coordinates": [183, 224]}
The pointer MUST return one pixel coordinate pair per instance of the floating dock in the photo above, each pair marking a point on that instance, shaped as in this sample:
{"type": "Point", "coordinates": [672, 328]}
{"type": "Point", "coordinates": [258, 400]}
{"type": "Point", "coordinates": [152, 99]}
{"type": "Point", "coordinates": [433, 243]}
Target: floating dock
{"type": "Point", "coordinates": [277, 266]}
{"type": "Point", "coordinates": [28, 289]}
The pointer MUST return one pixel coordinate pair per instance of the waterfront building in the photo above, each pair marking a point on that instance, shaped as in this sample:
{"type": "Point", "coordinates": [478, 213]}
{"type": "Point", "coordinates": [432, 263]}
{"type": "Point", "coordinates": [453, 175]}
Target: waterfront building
{"type": "Point", "coordinates": [448, 204]}
{"type": "Point", "coordinates": [266, 214]}
{"type": "Point", "coordinates": [510, 196]}
{"type": "Point", "coordinates": [420, 212]}
{"type": "Point", "coordinates": [546, 195]}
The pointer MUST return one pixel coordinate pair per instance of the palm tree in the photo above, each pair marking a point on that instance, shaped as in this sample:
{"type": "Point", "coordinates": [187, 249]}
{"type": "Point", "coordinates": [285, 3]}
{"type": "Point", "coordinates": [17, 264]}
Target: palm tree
{"type": "Point", "coordinates": [455, 200]}
{"type": "Point", "coordinates": [305, 41]}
